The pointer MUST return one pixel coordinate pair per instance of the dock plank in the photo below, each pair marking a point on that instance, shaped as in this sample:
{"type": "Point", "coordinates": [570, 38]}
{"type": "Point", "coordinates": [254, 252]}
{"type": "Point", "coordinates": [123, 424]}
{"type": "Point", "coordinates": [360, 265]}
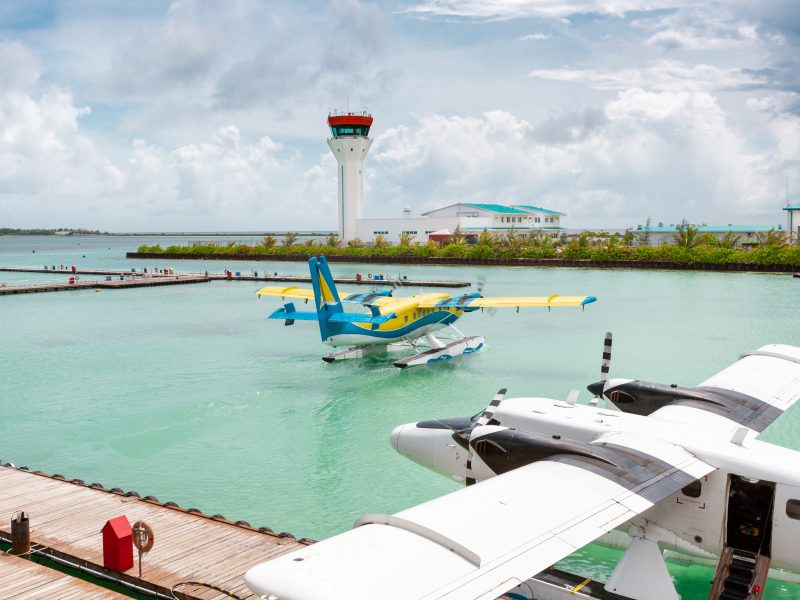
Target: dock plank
{"type": "Point", "coordinates": [21, 578]}
{"type": "Point", "coordinates": [67, 518]}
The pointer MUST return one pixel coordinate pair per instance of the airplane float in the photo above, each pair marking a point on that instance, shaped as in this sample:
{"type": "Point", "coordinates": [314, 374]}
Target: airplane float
{"type": "Point", "coordinates": [394, 323]}
{"type": "Point", "coordinates": [665, 468]}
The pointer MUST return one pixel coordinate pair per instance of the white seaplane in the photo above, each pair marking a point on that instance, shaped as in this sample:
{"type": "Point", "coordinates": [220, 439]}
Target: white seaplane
{"type": "Point", "coordinates": [394, 323]}
{"type": "Point", "coordinates": [666, 468]}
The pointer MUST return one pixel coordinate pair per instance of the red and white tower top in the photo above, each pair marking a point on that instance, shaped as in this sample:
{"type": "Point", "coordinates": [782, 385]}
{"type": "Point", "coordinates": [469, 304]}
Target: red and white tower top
{"type": "Point", "coordinates": [350, 124]}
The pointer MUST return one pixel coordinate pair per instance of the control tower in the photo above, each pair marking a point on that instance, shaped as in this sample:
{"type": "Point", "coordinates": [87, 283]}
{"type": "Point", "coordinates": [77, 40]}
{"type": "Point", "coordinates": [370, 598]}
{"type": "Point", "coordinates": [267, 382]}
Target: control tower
{"type": "Point", "coordinates": [349, 145]}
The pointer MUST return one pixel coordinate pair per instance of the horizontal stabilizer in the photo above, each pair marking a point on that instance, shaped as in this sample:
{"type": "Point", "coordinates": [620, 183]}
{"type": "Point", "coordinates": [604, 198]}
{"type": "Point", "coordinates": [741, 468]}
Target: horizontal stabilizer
{"type": "Point", "coordinates": [293, 315]}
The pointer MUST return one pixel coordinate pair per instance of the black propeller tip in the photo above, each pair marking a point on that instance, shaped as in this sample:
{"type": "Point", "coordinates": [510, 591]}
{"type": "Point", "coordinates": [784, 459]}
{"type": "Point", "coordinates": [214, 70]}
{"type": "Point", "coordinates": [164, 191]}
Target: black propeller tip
{"type": "Point", "coordinates": [596, 388]}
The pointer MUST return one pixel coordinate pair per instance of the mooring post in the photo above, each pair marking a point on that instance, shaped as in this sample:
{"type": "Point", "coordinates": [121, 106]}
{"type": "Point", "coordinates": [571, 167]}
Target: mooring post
{"type": "Point", "coordinates": [20, 534]}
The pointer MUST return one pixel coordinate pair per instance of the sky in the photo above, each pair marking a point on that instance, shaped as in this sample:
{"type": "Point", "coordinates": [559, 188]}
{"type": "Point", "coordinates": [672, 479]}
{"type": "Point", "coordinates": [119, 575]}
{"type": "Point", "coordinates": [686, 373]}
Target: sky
{"type": "Point", "coordinates": [200, 115]}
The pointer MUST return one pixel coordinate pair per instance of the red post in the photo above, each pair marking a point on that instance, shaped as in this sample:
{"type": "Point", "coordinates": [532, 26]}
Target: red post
{"type": "Point", "coordinates": [118, 544]}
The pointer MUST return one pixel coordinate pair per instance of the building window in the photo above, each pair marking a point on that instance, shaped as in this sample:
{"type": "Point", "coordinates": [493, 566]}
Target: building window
{"type": "Point", "coordinates": [793, 509]}
{"type": "Point", "coordinates": [538, 220]}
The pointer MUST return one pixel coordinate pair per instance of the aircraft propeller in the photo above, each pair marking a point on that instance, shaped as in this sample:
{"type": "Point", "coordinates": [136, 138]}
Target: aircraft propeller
{"type": "Point", "coordinates": [481, 284]}
{"type": "Point", "coordinates": [484, 419]}
{"type": "Point", "coordinates": [597, 387]}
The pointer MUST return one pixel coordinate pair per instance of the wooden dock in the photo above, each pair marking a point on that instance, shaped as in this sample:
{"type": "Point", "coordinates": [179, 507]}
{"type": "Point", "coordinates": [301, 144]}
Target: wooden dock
{"type": "Point", "coordinates": [66, 518]}
{"type": "Point", "coordinates": [114, 284]}
{"type": "Point", "coordinates": [140, 276]}
{"type": "Point", "coordinates": [25, 579]}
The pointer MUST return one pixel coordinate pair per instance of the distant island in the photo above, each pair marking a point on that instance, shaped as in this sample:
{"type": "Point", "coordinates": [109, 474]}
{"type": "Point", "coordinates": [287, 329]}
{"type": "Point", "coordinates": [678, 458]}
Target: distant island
{"type": "Point", "coordinates": [60, 231]}
{"type": "Point", "coordinates": [64, 232]}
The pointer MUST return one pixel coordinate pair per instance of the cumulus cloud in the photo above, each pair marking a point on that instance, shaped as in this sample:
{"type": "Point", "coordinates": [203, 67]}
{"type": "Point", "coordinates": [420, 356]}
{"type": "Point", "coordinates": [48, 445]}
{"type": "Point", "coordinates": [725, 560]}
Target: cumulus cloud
{"type": "Point", "coordinates": [289, 68]}
{"type": "Point", "coordinates": [177, 51]}
{"type": "Point", "coordinates": [674, 150]}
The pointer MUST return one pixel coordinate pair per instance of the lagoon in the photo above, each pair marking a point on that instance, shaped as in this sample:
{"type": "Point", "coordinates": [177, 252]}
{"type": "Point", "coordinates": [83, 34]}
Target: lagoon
{"type": "Point", "coordinates": [189, 394]}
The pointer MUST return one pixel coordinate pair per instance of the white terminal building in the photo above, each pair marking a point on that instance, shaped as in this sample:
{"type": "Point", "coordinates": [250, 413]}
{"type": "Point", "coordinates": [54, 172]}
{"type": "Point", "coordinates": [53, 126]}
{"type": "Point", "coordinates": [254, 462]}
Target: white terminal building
{"type": "Point", "coordinates": [350, 143]}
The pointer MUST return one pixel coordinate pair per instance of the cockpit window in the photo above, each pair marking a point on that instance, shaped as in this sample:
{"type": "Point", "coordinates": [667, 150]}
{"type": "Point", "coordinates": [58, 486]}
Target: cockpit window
{"type": "Point", "coordinates": [793, 509]}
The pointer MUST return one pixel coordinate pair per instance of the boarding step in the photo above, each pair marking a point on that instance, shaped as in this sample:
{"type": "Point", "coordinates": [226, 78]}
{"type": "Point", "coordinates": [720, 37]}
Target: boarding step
{"type": "Point", "coordinates": [740, 575]}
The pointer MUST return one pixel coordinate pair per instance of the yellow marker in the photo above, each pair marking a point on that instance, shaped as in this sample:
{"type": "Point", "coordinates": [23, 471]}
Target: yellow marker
{"type": "Point", "coordinates": [578, 587]}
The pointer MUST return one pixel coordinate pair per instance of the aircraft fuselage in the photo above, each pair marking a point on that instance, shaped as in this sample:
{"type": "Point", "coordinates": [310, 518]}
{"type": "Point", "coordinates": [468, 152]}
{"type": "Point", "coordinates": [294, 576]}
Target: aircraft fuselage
{"type": "Point", "coordinates": [751, 499]}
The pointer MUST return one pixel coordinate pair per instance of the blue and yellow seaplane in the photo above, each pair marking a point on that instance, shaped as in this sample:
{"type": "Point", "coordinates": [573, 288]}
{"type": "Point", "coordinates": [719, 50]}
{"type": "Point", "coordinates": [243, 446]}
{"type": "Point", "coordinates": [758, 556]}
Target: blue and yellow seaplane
{"type": "Point", "coordinates": [394, 323]}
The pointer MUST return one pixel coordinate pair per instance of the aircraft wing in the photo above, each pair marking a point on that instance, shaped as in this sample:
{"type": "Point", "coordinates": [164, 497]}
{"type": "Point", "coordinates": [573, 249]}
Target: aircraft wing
{"type": "Point", "coordinates": [374, 298]}
{"type": "Point", "coordinates": [483, 540]}
{"type": "Point", "coordinates": [752, 392]}
{"type": "Point", "coordinates": [291, 291]}
{"type": "Point", "coordinates": [474, 301]}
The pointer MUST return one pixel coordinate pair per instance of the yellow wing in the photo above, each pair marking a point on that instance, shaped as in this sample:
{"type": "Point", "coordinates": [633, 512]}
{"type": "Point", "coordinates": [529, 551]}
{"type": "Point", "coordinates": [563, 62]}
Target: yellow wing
{"type": "Point", "coordinates": [468, 301]}
{"type": "Point", "coordinates": [286, 292]}
{"type": "Point", "coordinates": [554, 300]}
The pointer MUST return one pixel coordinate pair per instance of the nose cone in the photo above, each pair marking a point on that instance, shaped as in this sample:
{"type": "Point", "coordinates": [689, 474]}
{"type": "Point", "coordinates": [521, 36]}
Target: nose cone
{"type": "Point", "coordinates": [596, 388]}
{"type": "Point", "coordinates": [433, 448]}
{"type": "Point", "coordinates": [396, 433]}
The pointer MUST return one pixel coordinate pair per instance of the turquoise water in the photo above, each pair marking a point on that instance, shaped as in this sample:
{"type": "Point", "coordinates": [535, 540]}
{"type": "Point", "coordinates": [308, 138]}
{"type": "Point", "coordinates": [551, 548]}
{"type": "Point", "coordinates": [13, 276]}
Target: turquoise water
{"type": "Point", "coordinates": [190, 394]}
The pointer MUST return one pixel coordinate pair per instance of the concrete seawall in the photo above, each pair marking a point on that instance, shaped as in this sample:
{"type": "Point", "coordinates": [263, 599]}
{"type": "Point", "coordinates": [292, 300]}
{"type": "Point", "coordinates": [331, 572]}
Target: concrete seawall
{"type": "Point", "coordinates": [505, 262]}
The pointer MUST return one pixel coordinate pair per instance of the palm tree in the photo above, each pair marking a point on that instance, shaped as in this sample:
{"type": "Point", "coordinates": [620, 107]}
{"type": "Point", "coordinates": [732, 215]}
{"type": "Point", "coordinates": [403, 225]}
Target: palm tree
{"type": "Point", "coordinates": [333, 240]}
{"type": "Point", "coordinates": [728, 240]}
{"type": "Point", "coordinates": [458, 238]}
{"type": "Point", "coordinates": [407, 238]}
{"type": "Point", "coordinates": [512, 241]}
{"type": "Point", "coordinates": [269, 241]}
{"type": "Point", "coordinates": [380, 241]}
{"type": "Point", "coordinates": [540, 240]}
{"type": "Point", "coordinates": [686, 236]}
{"type": "Point", "coordinates": [485, 238]}
{"type": "Point", "coordinates": [289, 239]}
{"type": "Point", "coordinates": [774, 238]}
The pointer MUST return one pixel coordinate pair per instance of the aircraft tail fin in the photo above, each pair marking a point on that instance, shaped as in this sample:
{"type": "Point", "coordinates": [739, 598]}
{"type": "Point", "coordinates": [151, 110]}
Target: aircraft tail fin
{"type": "Point", "coordinates": [326, 297]}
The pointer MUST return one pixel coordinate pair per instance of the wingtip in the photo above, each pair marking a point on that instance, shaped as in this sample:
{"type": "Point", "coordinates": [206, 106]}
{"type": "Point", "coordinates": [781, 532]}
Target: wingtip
{"type": "Point", "coordinates": [588, 300]}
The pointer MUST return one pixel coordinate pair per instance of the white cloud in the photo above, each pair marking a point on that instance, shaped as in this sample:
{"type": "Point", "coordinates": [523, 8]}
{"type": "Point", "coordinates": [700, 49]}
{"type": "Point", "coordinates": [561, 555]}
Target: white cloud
{"type": "Point", "coordinates": [515, 9]}
{"type": "Point", "coordinates": [668, 154]}
{"type": "Point", "coordinates": [535, 37]}
{"type": "Point", "coordinates": [704, 38]}
{"type": "Point", "coordinates": [660, 75]}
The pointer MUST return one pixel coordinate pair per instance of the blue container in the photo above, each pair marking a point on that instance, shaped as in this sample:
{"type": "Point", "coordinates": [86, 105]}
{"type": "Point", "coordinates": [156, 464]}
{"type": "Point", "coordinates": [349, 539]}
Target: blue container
{"type": "Point", "coordinates": [238, 273]}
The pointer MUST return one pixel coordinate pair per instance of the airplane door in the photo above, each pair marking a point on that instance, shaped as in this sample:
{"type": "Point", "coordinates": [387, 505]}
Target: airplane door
{"type": "Point", "coordinates": [786, 526]}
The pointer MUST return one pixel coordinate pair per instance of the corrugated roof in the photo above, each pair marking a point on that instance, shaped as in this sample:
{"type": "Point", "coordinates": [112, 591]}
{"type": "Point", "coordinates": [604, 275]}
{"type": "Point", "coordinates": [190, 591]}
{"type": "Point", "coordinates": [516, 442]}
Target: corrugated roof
{"type": "Point", "coordinates": [792, 207]}
{"type": "Point", "coordinates": [498, 208]}
{"type": "Point", "coordinates": [518, 229]}
{"type": "Point", "coordinates": [540, 209]}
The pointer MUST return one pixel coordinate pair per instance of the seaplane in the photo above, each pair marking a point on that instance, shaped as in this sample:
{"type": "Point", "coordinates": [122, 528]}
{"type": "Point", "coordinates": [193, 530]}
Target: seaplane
{"type": "Point", "coordinates": [661, 470]}
{"type": "Point", "coordinates": [395, 323]}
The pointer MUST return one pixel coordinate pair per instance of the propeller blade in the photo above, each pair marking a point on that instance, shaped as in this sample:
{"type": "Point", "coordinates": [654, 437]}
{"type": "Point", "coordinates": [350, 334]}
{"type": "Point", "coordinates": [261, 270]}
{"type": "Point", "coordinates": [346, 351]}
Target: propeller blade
{"type": "Point", "coordinates": [483, 420]}
{"type": "Point", "coordinates": [606, 365]}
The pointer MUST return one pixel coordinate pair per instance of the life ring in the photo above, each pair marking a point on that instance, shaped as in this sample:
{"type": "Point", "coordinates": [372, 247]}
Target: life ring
{"type": "Point", "coordinates": [143, 536]}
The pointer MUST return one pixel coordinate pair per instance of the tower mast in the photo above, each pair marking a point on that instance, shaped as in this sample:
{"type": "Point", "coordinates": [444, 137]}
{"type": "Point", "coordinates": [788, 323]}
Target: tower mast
{"type": "Point", "coordinates": [350, 143]}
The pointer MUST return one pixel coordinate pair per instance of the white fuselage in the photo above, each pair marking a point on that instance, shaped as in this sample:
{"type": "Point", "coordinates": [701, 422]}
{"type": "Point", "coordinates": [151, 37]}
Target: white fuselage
{"type": "Point", "coordinates": [692, 526]}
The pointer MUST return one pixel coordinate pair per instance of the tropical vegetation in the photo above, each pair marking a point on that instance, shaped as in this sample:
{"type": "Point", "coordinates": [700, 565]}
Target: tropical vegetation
{"type": "Point", "coordinates": [689, 247]}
